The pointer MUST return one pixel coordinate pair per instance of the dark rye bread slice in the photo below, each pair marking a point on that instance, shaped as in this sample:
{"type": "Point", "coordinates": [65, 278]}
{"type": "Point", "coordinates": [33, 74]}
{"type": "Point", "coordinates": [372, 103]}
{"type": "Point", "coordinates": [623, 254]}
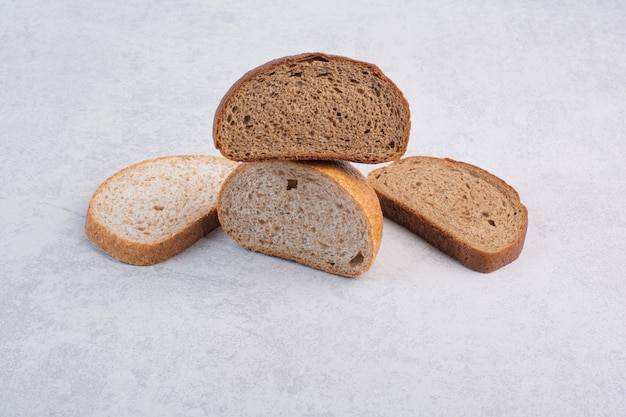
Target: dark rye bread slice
{"type": "Point", "coordinates": [313, 106]}
{"type": "Point", "coordinates": [459, 208]}
{"type": "Point", "coordinates": [321, 214]}
{"type": "Point", "coordinates": [150, 211]}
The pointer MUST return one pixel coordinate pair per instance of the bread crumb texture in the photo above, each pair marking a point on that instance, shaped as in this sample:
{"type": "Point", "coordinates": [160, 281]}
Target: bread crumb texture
{"type": "Point", "coordinates": [153, 200]}
{"type": "Point", "coordinates": [313, 106]}
{"type": "Point", "coordinates": [289, 210]}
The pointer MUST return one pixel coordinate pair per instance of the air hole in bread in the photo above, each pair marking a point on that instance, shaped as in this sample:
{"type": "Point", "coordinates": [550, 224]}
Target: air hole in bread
{"type": "Point", "coordinates": [491, 222]}
{"type": "Point", "coordinates": [315, 58]}
{"type": "Point", "coordinates": [357, 260]}
{"type": "Point", "coordinates": [291, 184]}
{"type": "Point", "coordinates": [296, 74]}
{"type": "Point", "coordinates": [158, 208]}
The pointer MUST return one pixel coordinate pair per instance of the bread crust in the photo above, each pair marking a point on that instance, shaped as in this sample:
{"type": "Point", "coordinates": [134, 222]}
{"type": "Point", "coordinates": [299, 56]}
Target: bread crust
{"type": "Point", "coordinates": [141, 253]}
{"type": "Point", "coordinates": [349, 179]}
{"type": "Point", "coordinates": [302, 154]}
{"type": "Point", "coordinates": [144, 254]}
{"type": "Point", "coordinates": [453, 245]}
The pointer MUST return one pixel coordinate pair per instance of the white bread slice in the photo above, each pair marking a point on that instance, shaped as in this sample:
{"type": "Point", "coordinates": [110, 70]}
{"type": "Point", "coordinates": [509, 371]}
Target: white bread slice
{"type": "Point", "coordinates": [313, 107]}
{"type": "Point", "coordinates": [459, 208]}
{"type": "Point", "coordinates": [320, 214]}
{"type": "Point", "coordinates": [155, 209]}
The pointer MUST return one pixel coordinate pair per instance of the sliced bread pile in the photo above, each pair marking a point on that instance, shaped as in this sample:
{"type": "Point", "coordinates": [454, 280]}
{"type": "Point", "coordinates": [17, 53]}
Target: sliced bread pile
{"type": "Point", "coordinates": [297, 123]}
{"type": "Point", "coordinates": [289, 131]}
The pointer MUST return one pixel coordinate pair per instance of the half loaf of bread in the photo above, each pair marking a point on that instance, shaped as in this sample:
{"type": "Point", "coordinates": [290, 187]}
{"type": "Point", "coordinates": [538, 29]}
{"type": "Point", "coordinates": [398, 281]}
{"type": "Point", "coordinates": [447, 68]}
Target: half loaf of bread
{"type": "Point", "coordinates": [313, 106]}
{"type": "Point", "coordinates": [459, 208]}
{"type": "Point", "coordinates": [320, 214]}
{"type": "Point", "coordinates": [155, 209]}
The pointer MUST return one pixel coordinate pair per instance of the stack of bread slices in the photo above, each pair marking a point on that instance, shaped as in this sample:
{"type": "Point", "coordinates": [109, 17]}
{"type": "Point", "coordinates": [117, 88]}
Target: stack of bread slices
{"type": "Point", "coordinates": [289, 132]}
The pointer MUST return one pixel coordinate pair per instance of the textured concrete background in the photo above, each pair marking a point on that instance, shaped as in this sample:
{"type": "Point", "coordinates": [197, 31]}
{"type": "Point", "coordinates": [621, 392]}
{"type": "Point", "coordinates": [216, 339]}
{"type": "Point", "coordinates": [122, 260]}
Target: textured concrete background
{"type": "Point", "coordinates": [533, 91]}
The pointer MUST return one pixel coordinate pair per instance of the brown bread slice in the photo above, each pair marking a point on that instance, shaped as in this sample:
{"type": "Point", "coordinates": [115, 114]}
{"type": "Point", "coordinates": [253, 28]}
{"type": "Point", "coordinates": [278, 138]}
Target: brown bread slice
{"type": "Point", "coordinates": [155, 209]}
{"type": "Point", "coordinates": [313, 106]}
{"type": "Point", "coordinates": [459, 208]}
{"type": "Point", "coordinates": [321, 214]}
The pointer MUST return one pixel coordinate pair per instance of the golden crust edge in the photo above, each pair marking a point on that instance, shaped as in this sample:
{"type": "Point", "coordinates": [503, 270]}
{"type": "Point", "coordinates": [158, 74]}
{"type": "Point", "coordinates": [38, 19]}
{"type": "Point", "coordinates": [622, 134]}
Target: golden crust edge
{"type": "Point", "coordinates": [144, 254]}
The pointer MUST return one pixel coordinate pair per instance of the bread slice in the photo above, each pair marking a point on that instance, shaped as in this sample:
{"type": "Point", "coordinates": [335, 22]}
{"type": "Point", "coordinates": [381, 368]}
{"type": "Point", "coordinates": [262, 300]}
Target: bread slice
{"type": "Point", "coordinates": [153, 210]}
{"type": "Point", "coordinates": [459, 208]}
{"type": "Point", "coordinates": [313, 106]}
{"type": "Point", "coordinates": [320, 214]}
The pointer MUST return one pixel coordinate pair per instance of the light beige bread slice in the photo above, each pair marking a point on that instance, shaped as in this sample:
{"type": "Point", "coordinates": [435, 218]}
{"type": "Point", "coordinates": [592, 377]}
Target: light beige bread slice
{"type": "Point", "coordinates": [155, 209]}
{"type": "Point", "coordinates": [320, 214]}
{"type": "Point", "coordinates": [313, 106]}
{"type": "Point", "coordinates": [459, 208]}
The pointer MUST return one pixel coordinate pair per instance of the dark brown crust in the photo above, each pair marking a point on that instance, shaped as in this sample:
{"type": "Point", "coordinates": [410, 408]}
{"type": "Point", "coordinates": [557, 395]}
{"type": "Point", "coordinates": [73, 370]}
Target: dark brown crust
{"type": "Point", "coordinates": [454, 246]}
{"type": "Point", "coordinates": [354, 184]}
{"type": "Point", "coordinates": [217, 120]}
{"type": "Point", "coordinates": [139, 253]}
